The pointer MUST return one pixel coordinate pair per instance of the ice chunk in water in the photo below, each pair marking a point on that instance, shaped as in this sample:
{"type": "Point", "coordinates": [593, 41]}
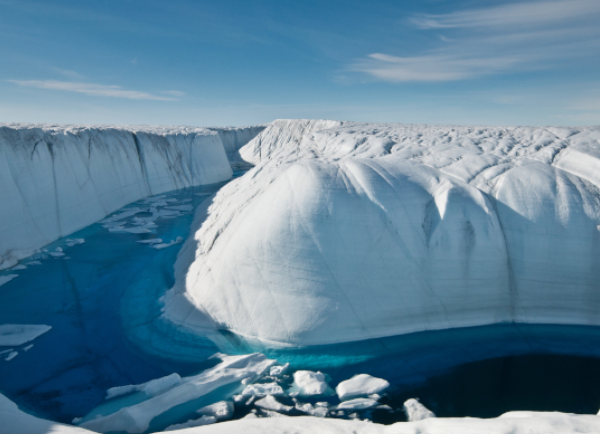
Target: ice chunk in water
{"type": "Point", "coordinates": [151, 241]}
{"type": "Point", "coordinates": [7, 278]}
{"type": "Point", "coordinates": [165, 245]}
{"type": "Point", "coordinates": [136, 418]}
{"type": "Point", "coordinates": [357, 404]}
{"type": "Point", "coordinates": [73, 242]}
{"type": "Point", "coordinates": [11, 356]}
{"type": "Point", "coordinates": [19, 334]}
{"type": "Point", "coordinates": [309, 383]}
{"type": "Point", "coordinates": [360, 385]}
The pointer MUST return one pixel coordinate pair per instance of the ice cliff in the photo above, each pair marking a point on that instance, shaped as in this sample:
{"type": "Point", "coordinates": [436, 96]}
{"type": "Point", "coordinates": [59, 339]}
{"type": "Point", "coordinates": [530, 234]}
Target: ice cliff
{"type": "Point", "coordinates": [347, 231]}
{"type": "Point", "coordinates": [55, 180]}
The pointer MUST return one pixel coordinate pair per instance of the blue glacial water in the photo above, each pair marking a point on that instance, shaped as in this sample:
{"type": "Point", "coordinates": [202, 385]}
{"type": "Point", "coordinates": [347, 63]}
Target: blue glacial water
{"type": "Point", "coordinates": [90, 296]}
{"type": "Point", "coordinates": [103, 305]}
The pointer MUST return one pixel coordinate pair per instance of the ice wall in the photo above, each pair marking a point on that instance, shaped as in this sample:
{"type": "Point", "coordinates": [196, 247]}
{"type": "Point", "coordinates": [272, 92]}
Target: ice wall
{"type": "Point", "coordinates": [234, 138]}
{"type": "Point", "coordinates": [349, 231]}
{"type": "Point", "coordinates": [55, 180]}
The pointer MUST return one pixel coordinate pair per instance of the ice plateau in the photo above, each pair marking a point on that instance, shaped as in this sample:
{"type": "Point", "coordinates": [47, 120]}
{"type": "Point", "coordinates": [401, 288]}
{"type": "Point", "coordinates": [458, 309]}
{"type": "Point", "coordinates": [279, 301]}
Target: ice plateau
{"type": "Point", "coordinates": [346, 231]}
{"type": "Point", "coordinates": [57, 179]}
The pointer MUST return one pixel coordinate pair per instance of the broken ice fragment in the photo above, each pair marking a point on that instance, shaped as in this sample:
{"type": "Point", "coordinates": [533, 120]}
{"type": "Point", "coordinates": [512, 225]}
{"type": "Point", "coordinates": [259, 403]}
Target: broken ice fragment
{"type": "Point", "coordinates": [416, 411]}
{"type": "Point", "coordinates": [309, 383]}
{"type": "Point", "coordinates": [263, 389]}
{"type": "Point", "coordinates": [19, 334]}
{"type": "Point", "coordinates": [220, 410]}
{"type": "Point", "coordinates": [360, 385]}
{"type": "Point", "coordinates": [270, 403]}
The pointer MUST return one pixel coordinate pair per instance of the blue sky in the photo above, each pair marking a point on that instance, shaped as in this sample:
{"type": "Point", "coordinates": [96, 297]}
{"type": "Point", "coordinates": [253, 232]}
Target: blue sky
{"type": "Point", "coordinates": [232, 62]}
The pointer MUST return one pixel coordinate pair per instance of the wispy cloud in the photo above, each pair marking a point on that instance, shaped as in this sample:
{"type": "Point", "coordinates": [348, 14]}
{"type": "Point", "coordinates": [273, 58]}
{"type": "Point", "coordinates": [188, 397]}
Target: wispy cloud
{"type": "Point", "coordinates": [432, 67]}
{"type": "Point", "coordinates": [526, 13]}
{"type": "Point", "coordinates": [512, 37]}
{"type": "Point", "coordinates": [91, 89]}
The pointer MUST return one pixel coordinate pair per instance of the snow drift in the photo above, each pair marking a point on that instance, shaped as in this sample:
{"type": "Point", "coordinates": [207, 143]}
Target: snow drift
{"type": "Point", "coordinates": [55, 180]}
{"type": "Point", "coordinates": [350, 231]}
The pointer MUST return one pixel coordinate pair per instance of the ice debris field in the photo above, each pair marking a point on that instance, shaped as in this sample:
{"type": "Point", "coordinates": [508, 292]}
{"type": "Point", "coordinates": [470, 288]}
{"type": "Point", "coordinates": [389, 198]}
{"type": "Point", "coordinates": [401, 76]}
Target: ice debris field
{"type": "Point", "coordinates": [303, 276]}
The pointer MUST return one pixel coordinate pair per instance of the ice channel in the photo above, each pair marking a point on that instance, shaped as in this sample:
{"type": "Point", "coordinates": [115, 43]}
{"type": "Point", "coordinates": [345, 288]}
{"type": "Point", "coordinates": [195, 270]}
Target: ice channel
{"type": "Point", "coordinates": [100, 288]}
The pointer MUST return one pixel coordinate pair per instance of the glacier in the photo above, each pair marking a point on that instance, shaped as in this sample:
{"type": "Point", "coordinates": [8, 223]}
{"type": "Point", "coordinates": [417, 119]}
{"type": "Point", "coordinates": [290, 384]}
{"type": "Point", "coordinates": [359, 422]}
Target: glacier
{"type": "Point", "coordinates": [341, 232]}
{"type": "Point", "coordinates": [346, 231]}
{"type": "Point", "coordinates": [58, 179]}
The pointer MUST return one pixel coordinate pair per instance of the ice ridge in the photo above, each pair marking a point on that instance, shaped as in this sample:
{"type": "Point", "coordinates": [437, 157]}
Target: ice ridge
{"type": "Point", "coordinates": [347, 231]}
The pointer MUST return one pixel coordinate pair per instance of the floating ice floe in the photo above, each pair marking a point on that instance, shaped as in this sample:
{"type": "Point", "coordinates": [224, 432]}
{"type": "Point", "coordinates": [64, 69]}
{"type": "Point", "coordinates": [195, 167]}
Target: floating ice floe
{"type": "Point", "coordinates": [360, 385]}
{"type": "Point", "coordinates": [151, 241]}
{"type": "Point", "coordinates": [11, 356]}
{"type": "Point", "coordinates": [160, 246]}
{"type": "Point", "coordinates": [73, 242]}
{"type": "Point", "coordinates": [19, 334]}
{"type": "Point", "coordinates": [416, 411]}
{"type": "Point", "coordinates": [150, 388]}
{"type": "Point", "coordinates": [18, 267]}
{"type": "Point", "coordinates": [270, 403]}
{"type": "Point", "coordinates": [7, 278]}
{"type": "Point", "coordinates": [308, 383]}
{"type": "Point", "coordinates": [357, 404]}
{"type": "Point", "coordinates": [136, 418]}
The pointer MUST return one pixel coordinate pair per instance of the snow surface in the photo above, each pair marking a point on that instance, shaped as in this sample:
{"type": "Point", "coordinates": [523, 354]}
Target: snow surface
{"type": "Point", "coordinates": [19, 334]}
{"type": "Point", "coordinates": [347, 231]}
{"type": "Point", "coordinates": [204, 420]}
{"type": "Point", "coordinates": [360, 385]}
{"type": "Point", "coordinates": [16, 421]}
{"type": "Point", "coordinates": [509, 423]}
{"type": "Point", "coordinates": [56, 179]}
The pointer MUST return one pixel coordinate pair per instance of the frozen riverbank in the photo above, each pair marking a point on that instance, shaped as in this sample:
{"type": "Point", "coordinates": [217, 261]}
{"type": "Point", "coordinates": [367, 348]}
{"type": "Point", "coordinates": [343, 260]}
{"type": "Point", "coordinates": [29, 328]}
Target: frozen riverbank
{"type": "Point", "coordinates": [55, 180]}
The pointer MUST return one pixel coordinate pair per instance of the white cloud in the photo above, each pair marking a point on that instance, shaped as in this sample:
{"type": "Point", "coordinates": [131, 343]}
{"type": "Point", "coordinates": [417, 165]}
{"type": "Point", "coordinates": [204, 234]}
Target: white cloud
{"type": "Point", "coordinates": [512, 37]}
{"type": "Point", "coordinates": [519, 14]}
{"type": "Point", "coordinates": [431, 68]}
{"type": "Point", "coordinates": [90, 89]}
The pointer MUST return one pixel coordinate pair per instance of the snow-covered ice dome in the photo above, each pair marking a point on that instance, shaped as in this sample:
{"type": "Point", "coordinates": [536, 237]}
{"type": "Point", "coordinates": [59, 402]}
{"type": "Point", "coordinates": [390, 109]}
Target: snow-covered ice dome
{"type": "Point", "coordinates": [347, 231]}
